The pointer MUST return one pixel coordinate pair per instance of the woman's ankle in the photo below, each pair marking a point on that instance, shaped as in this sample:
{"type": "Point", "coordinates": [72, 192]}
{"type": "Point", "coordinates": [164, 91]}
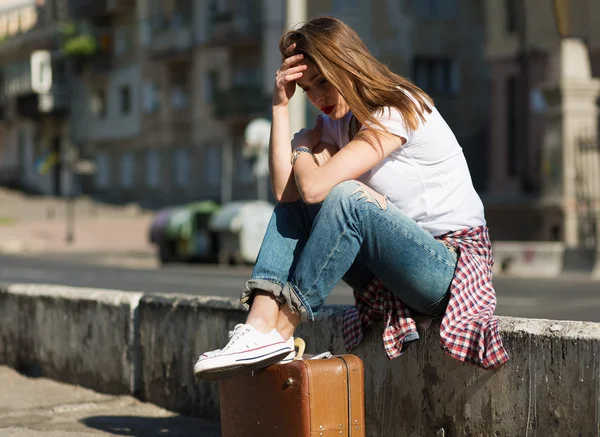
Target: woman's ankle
{"type": "Point", "coordinates": [260, 325]}
{"type": "Point", "coordinates": [264, 312]}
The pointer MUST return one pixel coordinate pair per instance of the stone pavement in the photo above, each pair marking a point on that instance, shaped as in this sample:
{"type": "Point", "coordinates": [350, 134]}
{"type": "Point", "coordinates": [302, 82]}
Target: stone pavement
{"type": "Point", "coordinates": [39, 407]}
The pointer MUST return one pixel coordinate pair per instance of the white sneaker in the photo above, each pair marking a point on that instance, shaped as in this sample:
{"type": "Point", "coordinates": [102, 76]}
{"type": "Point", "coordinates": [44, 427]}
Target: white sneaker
{"type": "Point", "coordinates": [248, 349]}
{"type": "Point", "coordinates": [290, 357]}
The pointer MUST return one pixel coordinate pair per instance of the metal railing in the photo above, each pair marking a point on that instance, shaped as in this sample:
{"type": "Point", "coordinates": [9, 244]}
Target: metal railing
{"type": "Point", "coordinates": [587, 164]}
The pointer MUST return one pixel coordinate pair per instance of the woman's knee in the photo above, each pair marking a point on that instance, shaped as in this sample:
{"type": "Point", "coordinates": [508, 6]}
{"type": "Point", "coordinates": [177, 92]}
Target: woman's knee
{"type": "Point", "coordinates": [341, 193]}
{"type": "Point", "coordinates": [352, 192]}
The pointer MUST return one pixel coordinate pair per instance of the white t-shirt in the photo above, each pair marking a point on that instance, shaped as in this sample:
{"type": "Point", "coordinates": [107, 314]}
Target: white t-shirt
{"type": "Point", "coordinates": [427, 178]}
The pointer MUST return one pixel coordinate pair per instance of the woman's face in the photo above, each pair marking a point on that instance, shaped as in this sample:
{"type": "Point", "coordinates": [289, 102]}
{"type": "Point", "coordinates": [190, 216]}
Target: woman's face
{"type": "Point", "coordinates": [321, 93]}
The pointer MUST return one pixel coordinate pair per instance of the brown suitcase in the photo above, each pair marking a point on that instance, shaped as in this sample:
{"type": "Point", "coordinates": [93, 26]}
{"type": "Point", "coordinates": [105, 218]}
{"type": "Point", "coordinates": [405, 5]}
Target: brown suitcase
{"type": "Point", "coordinates": [304, 398]}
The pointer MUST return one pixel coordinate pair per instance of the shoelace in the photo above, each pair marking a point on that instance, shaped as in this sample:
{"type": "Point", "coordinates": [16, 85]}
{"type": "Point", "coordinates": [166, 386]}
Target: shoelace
{"type": "Point", "coordinates": [236, 334]}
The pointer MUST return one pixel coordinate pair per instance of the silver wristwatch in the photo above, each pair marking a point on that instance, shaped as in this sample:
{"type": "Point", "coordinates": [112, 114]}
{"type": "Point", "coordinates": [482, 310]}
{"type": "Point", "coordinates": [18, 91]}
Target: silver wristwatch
{"type": "Point", "coordinates": [300, 150]}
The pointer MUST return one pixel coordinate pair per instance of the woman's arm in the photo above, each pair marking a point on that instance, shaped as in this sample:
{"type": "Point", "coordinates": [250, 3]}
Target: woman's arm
{"type": "Point", "coordinates": [280, 154]}
{"type": "Point", "coordinates": [365, 151]}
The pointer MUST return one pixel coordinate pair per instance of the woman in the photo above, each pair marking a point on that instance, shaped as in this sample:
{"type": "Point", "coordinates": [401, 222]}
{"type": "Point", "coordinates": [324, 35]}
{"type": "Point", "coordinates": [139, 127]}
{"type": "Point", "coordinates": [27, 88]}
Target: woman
{"type": "Point", "coordinates": [379, 194]}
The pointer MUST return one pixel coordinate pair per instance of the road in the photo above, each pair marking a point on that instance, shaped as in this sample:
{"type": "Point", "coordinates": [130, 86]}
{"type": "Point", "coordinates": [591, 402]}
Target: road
{"type": "Point", "coordinates": [566, 298]}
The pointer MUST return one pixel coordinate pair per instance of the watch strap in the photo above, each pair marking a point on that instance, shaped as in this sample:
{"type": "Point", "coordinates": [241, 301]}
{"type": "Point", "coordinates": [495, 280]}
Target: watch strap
{"type": "Point", "coordinates": [300, 150]}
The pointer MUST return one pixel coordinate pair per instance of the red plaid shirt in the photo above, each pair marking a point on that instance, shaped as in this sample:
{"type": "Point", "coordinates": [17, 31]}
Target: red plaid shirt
{"type": "Point", "coordinates": [468, 331]}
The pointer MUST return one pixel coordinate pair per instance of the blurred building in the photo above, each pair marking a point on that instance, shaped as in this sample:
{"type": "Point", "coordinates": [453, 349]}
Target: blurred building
{"type": "Point", "coordinates": [161, 102]}
{"type": "Point", "coordinates": [158, 92]}
{"type": "Point", "coordinates": [520, 37]}
{"type": "Point", "coordinates": [440, 45]}
{"type": "Point", "coordinates": [34, 97]}
{"type": "Point", "coordinates": [170, 100]}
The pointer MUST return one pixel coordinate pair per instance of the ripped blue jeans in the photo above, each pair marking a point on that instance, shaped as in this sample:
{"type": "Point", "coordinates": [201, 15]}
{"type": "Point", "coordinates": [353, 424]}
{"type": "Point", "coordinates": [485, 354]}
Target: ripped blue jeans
{"type": "Point", "coordinates": [308, 249]}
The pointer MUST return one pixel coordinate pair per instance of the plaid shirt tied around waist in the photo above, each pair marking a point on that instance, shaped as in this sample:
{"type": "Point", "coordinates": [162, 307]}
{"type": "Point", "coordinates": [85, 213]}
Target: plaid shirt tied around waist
{"type": "Point", "coordinates": [468, 331]}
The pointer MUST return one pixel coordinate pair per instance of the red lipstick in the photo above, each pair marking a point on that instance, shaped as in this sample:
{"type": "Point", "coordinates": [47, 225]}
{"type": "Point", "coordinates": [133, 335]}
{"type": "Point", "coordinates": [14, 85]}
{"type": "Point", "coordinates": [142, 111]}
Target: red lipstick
{"type": "Point", "coordinates": [327, 109]}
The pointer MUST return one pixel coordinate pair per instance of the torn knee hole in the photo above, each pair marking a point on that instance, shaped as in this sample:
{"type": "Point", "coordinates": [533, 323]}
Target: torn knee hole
{"type": "Point", "coordinates": [370, 195]}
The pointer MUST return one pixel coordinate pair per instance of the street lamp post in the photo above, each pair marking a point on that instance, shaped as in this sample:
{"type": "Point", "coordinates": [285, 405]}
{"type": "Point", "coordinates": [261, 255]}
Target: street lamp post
{"type": "Point", "coordinates": [296, 14]}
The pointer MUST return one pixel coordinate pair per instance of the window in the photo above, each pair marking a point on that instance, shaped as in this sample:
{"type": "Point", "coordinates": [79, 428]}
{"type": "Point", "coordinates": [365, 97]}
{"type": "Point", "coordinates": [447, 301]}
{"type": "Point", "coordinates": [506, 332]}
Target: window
{"type": "Point", "coordinates": [510, 7]}
{"type": "Point", "coordinates": [437, 75]}
{"type": "Point", "coordinates": [218, 8]}
{"type": "Point", "coordinates": [511, 125]}
{"type": "Point", "coordinates": [211, 83]}
{"type": "Point", "coordinates": [181, 167]}
{"type": "Point", "coordinates": [127, 170]}
{"type": "Point", "coordinates": [247, 77]}
{"type": "Point", "coordinates": [98, 103]}
{"type": "Point", "coordinates": [435, 9]}
{"type": "Point", "coordinates": [152, 169]}
{"type": "Point", "coordinates": [150, 97]}
{"type": "Point", "coordinates": [213, 166]}
{"type": "Point", "coordinates": [347, 10]}
{"type": "Point", "coordinates": [145, 32]}
{"type": "Point", "coordinates": [102, 175]}
{"type": "Point", "coordinates": [122, 43]}
{"type": "Point", "coordinates": [243, 168]}
{"type": "Point", "coordinates": [179, 82]}
{"type": "Point", "coordinates": [179, 97]}
{"type": "Point", "coordinates": [125, 99]}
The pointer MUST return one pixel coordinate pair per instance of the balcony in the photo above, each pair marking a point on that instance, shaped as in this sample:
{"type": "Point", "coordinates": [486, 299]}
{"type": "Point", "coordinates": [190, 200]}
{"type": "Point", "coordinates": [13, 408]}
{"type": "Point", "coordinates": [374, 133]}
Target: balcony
{"type": "Point", "coordinates": [87, 9]}
{"type": "Point", "coordinates": [38, 38]}
{"type": "Point", "coordinates": [172, 42]}
{"type": "Point", "coordinates": [242, 26]}
{"type": "Point", "coordinates": [240, 103]}
{"type": "Point", "coordinates": [92, 9]}
{"type": "Point", "coordinates": [54, 102]}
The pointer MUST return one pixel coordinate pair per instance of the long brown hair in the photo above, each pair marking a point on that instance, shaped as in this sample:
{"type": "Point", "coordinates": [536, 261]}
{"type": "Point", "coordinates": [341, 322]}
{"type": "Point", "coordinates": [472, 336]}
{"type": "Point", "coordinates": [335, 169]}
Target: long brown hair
{"type": "Point", "coordinates": [343, 59]}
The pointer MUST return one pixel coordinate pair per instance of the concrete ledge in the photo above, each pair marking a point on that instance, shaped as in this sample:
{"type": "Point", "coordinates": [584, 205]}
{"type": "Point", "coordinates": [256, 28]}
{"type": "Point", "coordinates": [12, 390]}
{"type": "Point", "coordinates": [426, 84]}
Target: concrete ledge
{"type": "Point", "coordinates": [550, 387]}
{"type": "Point", "coordinates": [174, 331]}
{"type": "Point", "coordinates": [77, 335]}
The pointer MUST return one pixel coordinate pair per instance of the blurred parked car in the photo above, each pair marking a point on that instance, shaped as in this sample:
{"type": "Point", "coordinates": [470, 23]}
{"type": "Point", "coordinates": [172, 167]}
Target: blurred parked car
{"type": "Point", "coordinates": [240, 228]}
{"type": "Point", "coordinates": [181, 234]}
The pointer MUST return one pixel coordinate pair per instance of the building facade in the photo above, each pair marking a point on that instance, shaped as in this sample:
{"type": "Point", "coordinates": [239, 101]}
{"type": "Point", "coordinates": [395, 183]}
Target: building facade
{"type": "Point", "coordinates": [162, 103]}
{"type": "Point", "coordinates": [438, 45]}
{"type": "Point", "coordinates": [34, 94]}
{"type": "Point", "coordinates": [165, 121]}
{"type": "Point", "coordinates": [520, 38]}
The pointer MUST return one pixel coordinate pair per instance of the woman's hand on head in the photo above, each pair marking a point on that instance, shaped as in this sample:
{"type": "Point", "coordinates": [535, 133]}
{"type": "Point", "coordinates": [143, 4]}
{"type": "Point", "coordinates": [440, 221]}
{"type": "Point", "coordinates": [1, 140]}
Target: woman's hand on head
{"type": "Point", "coordinates": [308, 137]}
{"type": "Point", "coordinates": [285, 79]}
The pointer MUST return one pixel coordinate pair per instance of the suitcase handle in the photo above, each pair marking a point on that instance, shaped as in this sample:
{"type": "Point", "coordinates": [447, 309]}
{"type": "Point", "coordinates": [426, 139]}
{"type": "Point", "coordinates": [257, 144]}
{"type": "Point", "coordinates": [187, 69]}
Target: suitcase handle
{"type": "Point", "coordinates": [301, 345]}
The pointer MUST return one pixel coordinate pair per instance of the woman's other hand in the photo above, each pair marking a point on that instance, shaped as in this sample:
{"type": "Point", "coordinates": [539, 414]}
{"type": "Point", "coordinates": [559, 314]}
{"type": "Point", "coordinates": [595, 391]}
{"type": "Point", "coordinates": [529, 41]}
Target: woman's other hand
{"type": "Point", "coordinates": [308, 137]}
{"type": "Point", "coordinates": [285, 79]}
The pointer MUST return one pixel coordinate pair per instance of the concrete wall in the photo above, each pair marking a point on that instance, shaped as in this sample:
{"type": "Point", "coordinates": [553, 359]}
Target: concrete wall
{"type": "Point", "coordinates": [174, 331]}
{"type": "Point", "coordinates": [551, 387]}
{"type": "Point", "coordinates": [82, 336]}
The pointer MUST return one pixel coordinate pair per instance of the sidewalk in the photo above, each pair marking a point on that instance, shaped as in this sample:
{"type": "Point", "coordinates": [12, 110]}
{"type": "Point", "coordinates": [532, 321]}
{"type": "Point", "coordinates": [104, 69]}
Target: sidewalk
{"type": "Point", "coordinates": [103, 233]}
{"type": "Point", "coordinates": [39, 407]}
